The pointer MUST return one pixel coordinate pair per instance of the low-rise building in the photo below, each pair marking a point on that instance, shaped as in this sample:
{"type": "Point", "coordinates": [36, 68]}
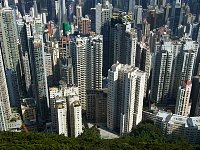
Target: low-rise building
{"type": "Point", "coordinates": [146, 115]}
{"type": "Point", "coordinates": [179, 126]}
{"type": "Point", "coordinates": [15, 124]}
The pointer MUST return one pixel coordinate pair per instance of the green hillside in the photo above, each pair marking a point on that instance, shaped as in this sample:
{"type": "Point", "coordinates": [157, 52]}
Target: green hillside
{"type": "Point", "coordinates": [144, 137]}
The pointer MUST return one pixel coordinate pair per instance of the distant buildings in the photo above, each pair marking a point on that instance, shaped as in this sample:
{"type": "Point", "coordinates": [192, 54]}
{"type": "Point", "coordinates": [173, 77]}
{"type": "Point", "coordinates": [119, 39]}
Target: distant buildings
{"type": "Point", "coordinates": [84, 25]}
{"type": "Point", "coordinates": [101, 19]}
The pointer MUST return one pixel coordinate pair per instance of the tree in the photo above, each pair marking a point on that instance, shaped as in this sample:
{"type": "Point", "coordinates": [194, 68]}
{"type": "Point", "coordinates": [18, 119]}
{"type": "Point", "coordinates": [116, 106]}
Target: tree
{"type": "Point", "coordinates": [149, 133]}
{"type": "Point", "coordinates": [90, 134]}
{"type": "Point", "coordinates": [145, 136]}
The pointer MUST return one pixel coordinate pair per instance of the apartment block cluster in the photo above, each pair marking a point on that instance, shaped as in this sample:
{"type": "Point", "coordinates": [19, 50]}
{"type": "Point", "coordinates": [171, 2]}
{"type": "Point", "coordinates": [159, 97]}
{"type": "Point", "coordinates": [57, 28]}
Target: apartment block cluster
{"type": "Point", "coordinates": [174, 125]}
{"type": "Point", "coordinates": [66, 63]}
{"type": "Point", "coordinates": [66, 111]}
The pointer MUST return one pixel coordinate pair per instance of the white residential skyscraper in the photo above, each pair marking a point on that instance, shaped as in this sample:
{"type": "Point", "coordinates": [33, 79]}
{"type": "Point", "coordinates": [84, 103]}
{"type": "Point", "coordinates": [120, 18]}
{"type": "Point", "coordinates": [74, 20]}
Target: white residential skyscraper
{"type": "Point", "coordinates": [94, 62]}
{"type": "Point", "coordinates": [58, 105]}
{"type": "Point", "coordinates": [48, 67]}
{"type": "Point", "coordinates": [100, 21]}
{"type": "Point", "coordinates": [5, 111]}
{"type": "Point", "coordinates": [87, 53]}
{"type": "Point", "coordinates": [145, 64]}
{"type": "Point", "coordinates": [75, 112]}
{"type": "Point", "coordinates": [184, 66]}
{"type": "Point", "coordinates": [183, 98]}
{"type": "Point", "coordinates": [130, 46]}
{"type": "Point", "coordinates": [10, 52]}
{"type": "Point", "coordinates": [125, 97]}
{"type": "Point", "coordinates": [124, 42]}
{"type": "Point", "coordinates": [62, 14]}
{"type": "Point", "coordinates": [66, 116]}
{"type": "Point", "coordinates": [41, 93]}
{"type": "Point", "coordinates": [27, 73]}
{"type": "Point", "coordinates": [78, 48]}
{"type": "Point", "coordinates": [173, 63]}
{"type": "Point", "coordinates": [161, 74]}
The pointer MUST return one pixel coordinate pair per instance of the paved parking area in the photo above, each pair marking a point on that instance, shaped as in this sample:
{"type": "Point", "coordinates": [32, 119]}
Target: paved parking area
{"type": "Point", "coordinates": [104, 132]}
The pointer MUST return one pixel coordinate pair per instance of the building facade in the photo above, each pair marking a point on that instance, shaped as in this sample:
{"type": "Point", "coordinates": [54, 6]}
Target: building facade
{"type": "Point", "coordinates": [179, 126]}
{"type": "Point", "coordinates": [183, 99]}
{"type": "Point", "coordinates": [161, 75]}
{"type": "Point", "coordinates": [75, 112]}
{"type": "Point", "coordinates": [58, 104]}
{"type": "Point", "coordinates": [41, 93]}
{"type": "Point", "coordinates": [96, 110]}
{"type": "Point", "coordinates": [10, 53]}
{"type": "Point", "coordinates": [125, 101]}
{"type": "Point", "coordinates": [5, 110]}
{"type": "Point", "coordinates": [87, 59]}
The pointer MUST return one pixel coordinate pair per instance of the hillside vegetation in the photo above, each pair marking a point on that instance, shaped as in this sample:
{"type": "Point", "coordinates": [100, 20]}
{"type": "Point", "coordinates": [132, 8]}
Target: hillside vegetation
{"type": "Point", "coordinates": [144, 137]}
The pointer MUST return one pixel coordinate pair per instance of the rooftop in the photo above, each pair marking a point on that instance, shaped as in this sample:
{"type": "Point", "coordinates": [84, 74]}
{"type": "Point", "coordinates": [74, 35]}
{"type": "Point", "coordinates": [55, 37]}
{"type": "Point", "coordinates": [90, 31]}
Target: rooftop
{"type": "Point", "coordinates": [178, 119]}
{"type": "Point", "coordinates": [125, 68]}
{"type": "Point", "coordinates": [163, 114]}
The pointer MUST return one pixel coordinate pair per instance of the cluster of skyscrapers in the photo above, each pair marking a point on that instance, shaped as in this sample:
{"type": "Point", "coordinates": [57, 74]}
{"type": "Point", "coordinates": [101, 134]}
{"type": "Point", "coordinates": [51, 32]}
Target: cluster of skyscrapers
{"type": "Point", "coordinates": [64, 63]}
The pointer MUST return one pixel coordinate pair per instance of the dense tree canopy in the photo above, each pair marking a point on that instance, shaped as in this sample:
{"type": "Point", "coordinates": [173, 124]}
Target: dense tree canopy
{"type": "Point", "coordinates": [147, 132]}
{"type": "Point", "coordinates": [90, 134]}
{"type": "Point", "coordinates": [144, 137]}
